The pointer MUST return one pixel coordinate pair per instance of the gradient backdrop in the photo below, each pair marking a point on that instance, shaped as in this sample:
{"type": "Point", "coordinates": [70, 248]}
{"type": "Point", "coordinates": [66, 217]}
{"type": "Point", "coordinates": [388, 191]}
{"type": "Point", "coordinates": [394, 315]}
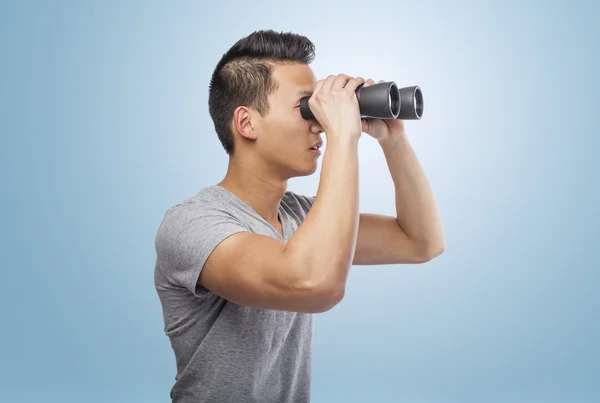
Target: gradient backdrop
{"type": "Point", "coordinates": [105, 124]}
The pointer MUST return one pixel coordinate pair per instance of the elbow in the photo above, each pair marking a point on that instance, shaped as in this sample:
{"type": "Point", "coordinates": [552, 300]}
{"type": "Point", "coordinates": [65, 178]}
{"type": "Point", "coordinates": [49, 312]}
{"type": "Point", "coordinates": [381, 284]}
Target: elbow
{"type": "Point", "coordinates": [430, 251]}
{"type": "Point", "coordinates": [324, 285]}
{"type": "Point", "coordinates": [334, 297]}
{"type": "Point", "coordinates": [325, 297]}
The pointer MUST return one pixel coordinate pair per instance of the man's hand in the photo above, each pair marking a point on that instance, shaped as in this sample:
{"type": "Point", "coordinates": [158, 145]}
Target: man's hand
{"type": "Point", "coordinates": [382, 129]}
{"type": "Point", "coordinates": [335, 106]}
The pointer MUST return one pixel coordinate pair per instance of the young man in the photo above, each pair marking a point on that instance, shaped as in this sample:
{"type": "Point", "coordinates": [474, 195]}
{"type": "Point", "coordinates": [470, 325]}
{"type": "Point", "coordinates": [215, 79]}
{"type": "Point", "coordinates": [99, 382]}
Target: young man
{"type": "Point", "coordinates": [244, 265]}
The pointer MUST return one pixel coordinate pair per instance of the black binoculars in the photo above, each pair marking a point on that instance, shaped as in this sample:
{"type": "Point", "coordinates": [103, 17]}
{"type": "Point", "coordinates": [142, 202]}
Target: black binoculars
{"type": "Point", "coordinates": [382, 101]}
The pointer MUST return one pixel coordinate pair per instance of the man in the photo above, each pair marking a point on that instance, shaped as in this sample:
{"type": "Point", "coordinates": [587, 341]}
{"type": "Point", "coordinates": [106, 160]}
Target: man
{"type": "Point", "coordinates": [244, 265]}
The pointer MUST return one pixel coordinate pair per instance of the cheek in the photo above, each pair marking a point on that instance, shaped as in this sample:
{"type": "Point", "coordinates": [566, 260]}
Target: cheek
{"type": "Point", "coordinates": [289, 126]}
{"type": "Point", "coordinates": [286, 131]}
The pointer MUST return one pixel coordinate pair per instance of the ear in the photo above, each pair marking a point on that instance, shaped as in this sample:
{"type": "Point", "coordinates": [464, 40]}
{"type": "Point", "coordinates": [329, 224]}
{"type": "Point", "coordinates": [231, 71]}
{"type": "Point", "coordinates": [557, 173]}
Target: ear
{"type": "Point", "coordinates": [242, 121]}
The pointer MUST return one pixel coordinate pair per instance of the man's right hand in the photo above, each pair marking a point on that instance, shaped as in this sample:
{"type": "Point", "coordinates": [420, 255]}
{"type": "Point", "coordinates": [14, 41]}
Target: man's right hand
{"type": "Point", "coordinates": [335, 106]}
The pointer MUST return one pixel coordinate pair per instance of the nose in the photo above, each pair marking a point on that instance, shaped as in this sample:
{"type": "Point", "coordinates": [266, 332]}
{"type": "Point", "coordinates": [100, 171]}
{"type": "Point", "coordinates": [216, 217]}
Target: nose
{"type": "Point", "coordinates": [315, 127]}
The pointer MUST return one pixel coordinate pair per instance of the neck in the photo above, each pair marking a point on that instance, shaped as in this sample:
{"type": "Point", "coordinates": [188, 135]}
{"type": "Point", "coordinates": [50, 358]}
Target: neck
{"type": "Point", "coordinates": [255, 187]}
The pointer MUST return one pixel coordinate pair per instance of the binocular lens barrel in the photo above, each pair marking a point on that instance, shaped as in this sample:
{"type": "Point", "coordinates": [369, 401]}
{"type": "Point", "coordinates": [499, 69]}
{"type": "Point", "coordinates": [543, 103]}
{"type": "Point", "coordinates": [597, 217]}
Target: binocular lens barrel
{"type": "Point", "coordinates": [382, 101]}
{"type": "Point", "coordinates": [411, 99]}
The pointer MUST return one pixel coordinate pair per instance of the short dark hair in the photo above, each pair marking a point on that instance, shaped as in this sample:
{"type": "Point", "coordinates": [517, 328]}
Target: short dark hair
{"type": "Point", "coordinates": [243, 75]}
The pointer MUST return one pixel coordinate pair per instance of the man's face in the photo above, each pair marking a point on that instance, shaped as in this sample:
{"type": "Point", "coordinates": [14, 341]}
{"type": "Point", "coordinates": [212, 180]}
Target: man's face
{"type": "Point", "coordinates": [285, 138]}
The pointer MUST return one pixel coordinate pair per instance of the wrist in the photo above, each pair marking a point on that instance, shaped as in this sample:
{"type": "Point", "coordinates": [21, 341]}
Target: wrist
{"type": "Point", "coordinates": [393, 139]}
{"type": "Point", "coordinates": [343, 139]}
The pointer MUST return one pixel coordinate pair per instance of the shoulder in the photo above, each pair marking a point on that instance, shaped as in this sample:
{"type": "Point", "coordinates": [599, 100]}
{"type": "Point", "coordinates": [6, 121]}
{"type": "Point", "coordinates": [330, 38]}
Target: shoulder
{"type": "Point", "coordinates": [196, 215]}
{"type": "Point", "coordinates": [207, 200]}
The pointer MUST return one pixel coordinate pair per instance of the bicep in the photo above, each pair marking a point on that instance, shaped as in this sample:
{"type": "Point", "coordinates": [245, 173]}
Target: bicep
{"type": "Point", "coordinates": [380, 240]}
{"type": "Point", "coordinates": [256, 270]}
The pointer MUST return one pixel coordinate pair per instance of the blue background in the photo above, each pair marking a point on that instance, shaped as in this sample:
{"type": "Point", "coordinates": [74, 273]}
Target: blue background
{"type": "Point", "coordinates": [105, 124]}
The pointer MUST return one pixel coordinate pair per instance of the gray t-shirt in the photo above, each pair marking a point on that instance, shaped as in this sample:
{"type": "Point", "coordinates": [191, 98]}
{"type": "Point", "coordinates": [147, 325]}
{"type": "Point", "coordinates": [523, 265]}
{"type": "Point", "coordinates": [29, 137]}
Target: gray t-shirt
{"type": "Point", "coordinates": [227, 352]}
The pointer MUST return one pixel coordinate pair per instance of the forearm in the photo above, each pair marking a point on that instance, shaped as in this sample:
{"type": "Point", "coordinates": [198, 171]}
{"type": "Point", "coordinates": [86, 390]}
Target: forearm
{"type": "Point", "coordinates": [327, 237]}
{"type": "Point", "coordinates": [416, 210]}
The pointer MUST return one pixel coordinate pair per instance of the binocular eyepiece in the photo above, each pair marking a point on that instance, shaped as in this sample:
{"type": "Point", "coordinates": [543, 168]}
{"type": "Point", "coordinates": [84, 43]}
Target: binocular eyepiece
{"type": "Point", "coordinates": [382, 101]}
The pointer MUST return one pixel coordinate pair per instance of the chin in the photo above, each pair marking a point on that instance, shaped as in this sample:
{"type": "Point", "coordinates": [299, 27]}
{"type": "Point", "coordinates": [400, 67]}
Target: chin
{"type": "Point", "coordinates": [312, 170]}
{"type": "Point", "coordinates": [307, 173]}
{"type": "Point", "coordinates": [298, 165]}
{"type": "Point", "coordinates": [298, 171]}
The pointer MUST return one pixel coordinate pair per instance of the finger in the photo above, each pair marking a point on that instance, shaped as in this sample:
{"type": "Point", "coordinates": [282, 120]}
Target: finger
{"type": "Point", "coordinates": [369, 82]}
{"type": "Point", "coordinates": [318, 87]}
{"type": "Point", "coordinates": [365, 125]}
{"type": "Point", "coordinates": [328, 84]}
{"type": "Point", "coordinates": [316, 90]}
{"type": "Point", "coordinates": [354, 83]}
{"type": "Point", "coordinates": [381, 81]}
{"type": "Point", "coordinates": [340, 81]}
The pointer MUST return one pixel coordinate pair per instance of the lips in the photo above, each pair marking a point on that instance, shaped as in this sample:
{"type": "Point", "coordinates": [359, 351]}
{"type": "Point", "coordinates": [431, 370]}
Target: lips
{"type": "Point", "coordinates": [317, 145]}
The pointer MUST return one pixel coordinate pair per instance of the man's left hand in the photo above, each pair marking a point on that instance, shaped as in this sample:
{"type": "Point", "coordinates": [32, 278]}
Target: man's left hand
{"type": "Point", "coordinates": [382, 129]}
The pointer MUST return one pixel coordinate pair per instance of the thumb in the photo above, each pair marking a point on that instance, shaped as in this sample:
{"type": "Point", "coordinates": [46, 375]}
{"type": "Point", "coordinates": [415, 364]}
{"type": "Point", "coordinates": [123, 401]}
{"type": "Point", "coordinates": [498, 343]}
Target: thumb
{"type": "Point", "coordinates": [366, 125]}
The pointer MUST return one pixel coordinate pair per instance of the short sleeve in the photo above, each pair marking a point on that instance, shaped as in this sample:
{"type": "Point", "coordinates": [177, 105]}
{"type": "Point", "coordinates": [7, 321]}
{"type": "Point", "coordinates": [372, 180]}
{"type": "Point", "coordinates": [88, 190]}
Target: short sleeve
{"type": "Point", "coordinates": [187, 236]}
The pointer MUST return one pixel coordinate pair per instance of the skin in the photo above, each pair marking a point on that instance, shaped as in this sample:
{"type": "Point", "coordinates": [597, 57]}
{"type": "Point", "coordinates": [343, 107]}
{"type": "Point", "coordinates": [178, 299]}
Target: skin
{"type": "Point", "coordinates": [271, 149]}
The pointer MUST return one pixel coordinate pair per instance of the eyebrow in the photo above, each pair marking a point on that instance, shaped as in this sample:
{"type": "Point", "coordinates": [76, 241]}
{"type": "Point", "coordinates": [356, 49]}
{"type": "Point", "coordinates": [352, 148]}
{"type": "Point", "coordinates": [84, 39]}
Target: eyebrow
{"type": "Point", "coordinates": [301, 94]}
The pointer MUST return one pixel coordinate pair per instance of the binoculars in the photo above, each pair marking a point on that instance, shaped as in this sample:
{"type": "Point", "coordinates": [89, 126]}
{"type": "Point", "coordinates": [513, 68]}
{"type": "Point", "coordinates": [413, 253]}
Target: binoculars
{"type": "Point", "coordinates": [382, 101]}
